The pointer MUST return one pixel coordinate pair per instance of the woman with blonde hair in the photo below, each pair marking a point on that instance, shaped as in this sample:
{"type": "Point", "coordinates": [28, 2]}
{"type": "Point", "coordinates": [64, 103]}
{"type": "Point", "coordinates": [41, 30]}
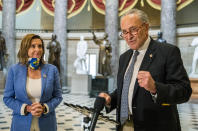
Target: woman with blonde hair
{"type": "Point", "coordinates": [32, 88]}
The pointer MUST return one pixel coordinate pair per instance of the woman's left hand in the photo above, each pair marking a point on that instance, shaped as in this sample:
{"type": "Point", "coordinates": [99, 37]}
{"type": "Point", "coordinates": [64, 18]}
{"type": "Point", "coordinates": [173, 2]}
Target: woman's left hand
{"type": "Point", "coordinates": [36, 109]}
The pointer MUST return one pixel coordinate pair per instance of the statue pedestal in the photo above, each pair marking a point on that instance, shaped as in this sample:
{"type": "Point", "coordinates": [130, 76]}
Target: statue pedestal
{"type": "Point", "coordinates": [2, 82]}
{"type": "Point", "coordinates": [100, 84]}
{"type": "Point", "coordinates": [81, 84]}
{"type": "Point", "coordinates": [194, 86]}
{"type": "Point", "coordinates": [193, 75]}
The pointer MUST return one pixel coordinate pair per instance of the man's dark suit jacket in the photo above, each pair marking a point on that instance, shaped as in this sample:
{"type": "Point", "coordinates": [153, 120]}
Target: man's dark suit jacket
{"type": "Point", "coordinates": [164, 63]}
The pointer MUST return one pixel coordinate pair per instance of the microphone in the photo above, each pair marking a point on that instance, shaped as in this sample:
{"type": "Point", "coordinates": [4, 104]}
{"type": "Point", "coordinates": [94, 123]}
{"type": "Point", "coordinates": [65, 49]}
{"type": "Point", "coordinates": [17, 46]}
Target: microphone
{"type": "Point", "coordinates": [98, 106]}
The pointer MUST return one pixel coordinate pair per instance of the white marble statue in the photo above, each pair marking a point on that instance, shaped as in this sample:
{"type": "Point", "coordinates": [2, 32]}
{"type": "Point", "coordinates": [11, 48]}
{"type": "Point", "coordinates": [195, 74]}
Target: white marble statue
{"type": "Point", "coordinates": [80, 62]}
{"type": "Point", "coordinates": [195, 58]}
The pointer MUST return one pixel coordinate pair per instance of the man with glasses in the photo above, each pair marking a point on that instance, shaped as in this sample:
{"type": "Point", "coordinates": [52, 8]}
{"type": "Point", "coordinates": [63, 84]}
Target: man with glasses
{"type": "Point", "coordinates": [151, 80]}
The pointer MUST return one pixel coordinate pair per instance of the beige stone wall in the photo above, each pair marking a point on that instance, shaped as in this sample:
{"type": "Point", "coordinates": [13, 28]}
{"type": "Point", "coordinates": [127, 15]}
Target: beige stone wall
{"type": "Point", "coordinates": [184, 39]}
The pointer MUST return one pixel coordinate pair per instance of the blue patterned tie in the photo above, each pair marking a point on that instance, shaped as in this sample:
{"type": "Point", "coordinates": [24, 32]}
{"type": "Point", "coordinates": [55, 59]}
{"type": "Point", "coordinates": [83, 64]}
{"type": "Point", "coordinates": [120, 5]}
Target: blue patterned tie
{"type": "Point", "coordinates": [125, 90]}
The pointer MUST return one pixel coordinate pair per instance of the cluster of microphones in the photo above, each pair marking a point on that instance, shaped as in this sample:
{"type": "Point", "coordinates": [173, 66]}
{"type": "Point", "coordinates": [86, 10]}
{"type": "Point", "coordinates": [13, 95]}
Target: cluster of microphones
{"type": "Point", "coordinates": [95, 113]}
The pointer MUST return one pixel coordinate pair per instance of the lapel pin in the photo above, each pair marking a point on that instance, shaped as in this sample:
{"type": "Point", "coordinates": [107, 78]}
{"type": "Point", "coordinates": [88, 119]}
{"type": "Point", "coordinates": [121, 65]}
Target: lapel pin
{"type": "Point", "coordinates": [44, 75]}
{"type": "Point", "coordinates": [151, 55]}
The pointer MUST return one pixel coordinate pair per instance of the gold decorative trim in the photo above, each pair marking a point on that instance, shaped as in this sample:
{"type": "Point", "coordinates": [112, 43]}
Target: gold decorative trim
{"type": "Point", "coordinates": [184, 4]}
{"type": "Point", "coordinates": [178, 8]}
{"type": "Point", "coordinates": [128, 8]}
{"type": "Point", "coordinates": [46, 10]}
{"type": "Point", "coordinates": [97, 9]}
{"type": "Point", "coordinates": [155, 6]}
{"type": "Point", "coordinates": [1, 3]}
{"type": "Point", "coordinates": [72, 7]}
{"type": "Point", "coordinates": [77, 11]}
{"type": "Point", "coordinates": [20, 7]}
{"type": "Point", "coordinates": [53, 3]}
{"type": "Point", "coordinates": [104, 2]}
{"type": "Point", "coordinates": [179, 1]}
{"type": "Point", "coordinates": [70, 15]}
{"type": "Point", "coordinates": [88, 7]}
{"type": "Point", "coordinates": [123, 4]}
{"type": "Point", "coordinates": [142, 3]}
{"type": "Point", "coordinates": [25, 11]}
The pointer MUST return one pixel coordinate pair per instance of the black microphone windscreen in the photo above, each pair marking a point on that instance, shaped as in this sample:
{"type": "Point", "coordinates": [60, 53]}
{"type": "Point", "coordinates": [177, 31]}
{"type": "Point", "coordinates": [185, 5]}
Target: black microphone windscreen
{"type": "Point", "coordinates": [99, 104]}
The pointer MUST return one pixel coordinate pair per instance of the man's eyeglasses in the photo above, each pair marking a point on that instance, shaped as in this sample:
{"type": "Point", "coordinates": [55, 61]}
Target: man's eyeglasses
{"type": "Point", "coordinates": [132, 31]}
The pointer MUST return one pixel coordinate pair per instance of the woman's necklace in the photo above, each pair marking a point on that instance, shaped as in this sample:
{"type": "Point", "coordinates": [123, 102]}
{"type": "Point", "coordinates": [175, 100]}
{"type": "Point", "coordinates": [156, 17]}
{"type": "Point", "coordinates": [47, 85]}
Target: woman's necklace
{"type": "Point", "coordinates": [34, 74]}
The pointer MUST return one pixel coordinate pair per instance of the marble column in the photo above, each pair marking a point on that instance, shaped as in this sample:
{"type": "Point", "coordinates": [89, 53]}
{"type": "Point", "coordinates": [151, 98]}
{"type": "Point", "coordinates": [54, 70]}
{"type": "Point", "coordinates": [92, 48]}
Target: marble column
{"type": "Point", "coordinates": [111, 28]}
{"type": "Point", "coordinates": [8, 29]}
{"type": "Point", "coordinates": [60, 28]}
{"type": "Point", "coordinates": [168, 20]}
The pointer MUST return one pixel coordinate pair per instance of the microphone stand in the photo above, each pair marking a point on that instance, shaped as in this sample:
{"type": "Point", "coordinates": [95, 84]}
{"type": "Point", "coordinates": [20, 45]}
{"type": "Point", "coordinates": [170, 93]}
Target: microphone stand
{"type": "Point", "coordinates": [94, 121]}
{"type": "Point", "coordinates": [98, 106]}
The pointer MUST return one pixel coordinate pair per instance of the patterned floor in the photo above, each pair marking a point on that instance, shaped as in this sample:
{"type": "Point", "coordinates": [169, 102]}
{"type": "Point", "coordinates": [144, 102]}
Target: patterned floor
{"type": "Point", "coordinates": [70, 120]}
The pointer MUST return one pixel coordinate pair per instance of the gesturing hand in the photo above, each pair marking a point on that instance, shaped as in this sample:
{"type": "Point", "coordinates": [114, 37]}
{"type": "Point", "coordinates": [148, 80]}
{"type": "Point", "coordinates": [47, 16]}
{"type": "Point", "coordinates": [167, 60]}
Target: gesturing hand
{"type": "Point", "coordinates": [146, 81]}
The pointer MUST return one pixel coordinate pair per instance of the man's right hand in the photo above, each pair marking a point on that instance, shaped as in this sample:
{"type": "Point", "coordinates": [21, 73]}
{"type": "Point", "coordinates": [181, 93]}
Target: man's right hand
{"type": "Point", "coordinates": [107, 98]}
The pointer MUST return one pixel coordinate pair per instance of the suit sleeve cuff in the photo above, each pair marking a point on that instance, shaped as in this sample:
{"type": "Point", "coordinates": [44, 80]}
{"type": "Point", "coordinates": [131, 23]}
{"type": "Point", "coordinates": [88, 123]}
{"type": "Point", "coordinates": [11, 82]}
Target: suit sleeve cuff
{"type": "Point", "coordinates": [154, 97]}
{"type": "Point", "coordinates": [47, 107]}
{"type": "Point", "coordinates": [23, 109]}
{"type": "Point", "coordinates": [108, 108]}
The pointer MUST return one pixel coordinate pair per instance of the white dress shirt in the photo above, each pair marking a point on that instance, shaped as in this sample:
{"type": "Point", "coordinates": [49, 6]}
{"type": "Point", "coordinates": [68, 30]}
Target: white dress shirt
{"type": "Point", "coordinates": [142, 50]}
{"type": "Point", "coordinates": [33, 88]}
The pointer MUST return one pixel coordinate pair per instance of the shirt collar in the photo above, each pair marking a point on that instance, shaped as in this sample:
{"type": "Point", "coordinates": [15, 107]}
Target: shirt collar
{"type": "Point", "coordinates": [145, 45]}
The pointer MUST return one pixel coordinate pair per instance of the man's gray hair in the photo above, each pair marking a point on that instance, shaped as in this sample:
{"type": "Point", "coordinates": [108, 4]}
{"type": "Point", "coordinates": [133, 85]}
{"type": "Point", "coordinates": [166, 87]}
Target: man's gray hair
{"type": "Point", "coordinates": [142, 15]}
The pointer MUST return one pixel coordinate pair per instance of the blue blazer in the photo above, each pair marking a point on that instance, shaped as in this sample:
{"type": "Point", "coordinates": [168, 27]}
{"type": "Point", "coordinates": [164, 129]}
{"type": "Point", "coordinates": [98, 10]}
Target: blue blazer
{"type": "Point", "coordinates": [15, 95]}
